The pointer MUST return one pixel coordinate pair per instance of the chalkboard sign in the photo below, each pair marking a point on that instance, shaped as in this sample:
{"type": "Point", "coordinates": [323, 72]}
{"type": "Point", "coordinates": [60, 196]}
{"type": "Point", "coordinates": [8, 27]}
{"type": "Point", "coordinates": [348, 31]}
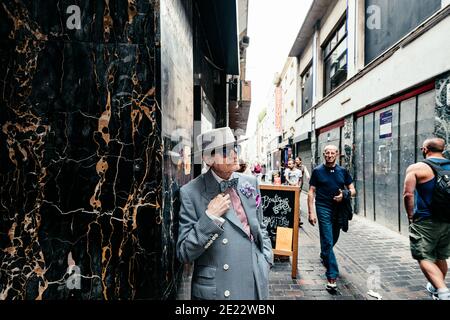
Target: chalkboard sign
{"type": "Point", "coordinates": [281, 208]}
{"type": "Point", "coordinates": [278, 208]}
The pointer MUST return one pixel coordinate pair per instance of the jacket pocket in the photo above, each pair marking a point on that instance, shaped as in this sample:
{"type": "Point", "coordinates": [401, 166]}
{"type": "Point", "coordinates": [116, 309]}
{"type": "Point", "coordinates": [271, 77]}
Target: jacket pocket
{"type": "Point", "coordinates": [205, 274]}
{"type": "Point", "coordinates": [204, 282]}
{"type": "Point", "coordinates": [202, 292]}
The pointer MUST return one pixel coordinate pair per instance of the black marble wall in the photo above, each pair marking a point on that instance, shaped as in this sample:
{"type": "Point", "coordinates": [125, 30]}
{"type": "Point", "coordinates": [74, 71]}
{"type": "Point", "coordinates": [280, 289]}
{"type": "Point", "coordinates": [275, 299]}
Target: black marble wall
{"type": "Point", "coordinates": [81, 152]}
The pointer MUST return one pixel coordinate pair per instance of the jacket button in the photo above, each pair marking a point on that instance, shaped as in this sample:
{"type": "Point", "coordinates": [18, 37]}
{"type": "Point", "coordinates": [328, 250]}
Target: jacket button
{"type": "Point", "coordinates": [226, 293]}
{"type": "Point", "coordinates": [226, 267]}
{"type": "Point", "coordinates": [225, 241]}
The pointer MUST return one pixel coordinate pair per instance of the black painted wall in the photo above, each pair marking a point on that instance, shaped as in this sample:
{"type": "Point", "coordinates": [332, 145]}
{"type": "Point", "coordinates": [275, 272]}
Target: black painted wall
{"type": "Point", "coordinates": [207, 63]}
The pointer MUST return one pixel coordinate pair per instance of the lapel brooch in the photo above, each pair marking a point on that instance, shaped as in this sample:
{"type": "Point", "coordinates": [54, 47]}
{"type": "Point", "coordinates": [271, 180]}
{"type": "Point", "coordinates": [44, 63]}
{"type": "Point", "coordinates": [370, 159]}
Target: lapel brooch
{"type": "Point", "coordinates": [250, 191]}
{"type": "Point", "coordinates": [247, 189]}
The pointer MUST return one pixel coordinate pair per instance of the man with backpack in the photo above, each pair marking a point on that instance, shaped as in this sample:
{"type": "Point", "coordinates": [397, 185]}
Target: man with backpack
{"type": "Point", "coordinates": [426, 197]}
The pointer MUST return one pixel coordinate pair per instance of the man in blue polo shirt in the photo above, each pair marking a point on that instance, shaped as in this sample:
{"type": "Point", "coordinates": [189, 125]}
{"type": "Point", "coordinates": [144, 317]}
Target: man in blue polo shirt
{"type": "Point", "coordinates": [429, 236]}
{"type": "Point", "coordinates": [328, 185]}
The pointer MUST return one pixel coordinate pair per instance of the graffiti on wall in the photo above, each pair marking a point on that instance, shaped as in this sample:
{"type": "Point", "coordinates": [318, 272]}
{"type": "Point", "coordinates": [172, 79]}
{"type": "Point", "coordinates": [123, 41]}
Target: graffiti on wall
{"type": "Point", "coordinates": [442, 125]}
{"type": "Point", "coordinates": [383, 163]}
{"type": "Point", "coordinates": [347, 143]}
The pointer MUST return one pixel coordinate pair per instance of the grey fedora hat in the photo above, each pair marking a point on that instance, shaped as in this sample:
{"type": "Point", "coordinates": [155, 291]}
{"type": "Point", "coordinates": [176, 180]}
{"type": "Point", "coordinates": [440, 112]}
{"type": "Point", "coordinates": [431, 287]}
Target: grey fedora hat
{"type": "Point", "coordinates": [216, 138]}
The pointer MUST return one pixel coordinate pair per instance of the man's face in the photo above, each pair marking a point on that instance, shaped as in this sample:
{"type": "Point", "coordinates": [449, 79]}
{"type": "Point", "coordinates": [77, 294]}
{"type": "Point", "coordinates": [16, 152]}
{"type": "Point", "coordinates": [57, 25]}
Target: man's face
{"type": "Point", "coordinates": [330, 156]}
{"type": "Point", "coordinates": [291, 164]}
{"type": "Point", "coordinates": [225, 161]}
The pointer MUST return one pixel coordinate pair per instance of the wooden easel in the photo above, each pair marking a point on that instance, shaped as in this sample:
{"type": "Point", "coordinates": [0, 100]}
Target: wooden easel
{"type": "Point", "coordinates": [286, 242]}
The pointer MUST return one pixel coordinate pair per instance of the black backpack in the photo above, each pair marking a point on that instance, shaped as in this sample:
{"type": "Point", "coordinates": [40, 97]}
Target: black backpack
{"type": "Point", "coordinates": [440, 203]}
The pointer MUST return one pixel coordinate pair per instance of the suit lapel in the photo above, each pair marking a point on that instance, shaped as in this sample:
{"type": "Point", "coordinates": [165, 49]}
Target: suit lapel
{"type": "Point", "coordinates": [212, 187]}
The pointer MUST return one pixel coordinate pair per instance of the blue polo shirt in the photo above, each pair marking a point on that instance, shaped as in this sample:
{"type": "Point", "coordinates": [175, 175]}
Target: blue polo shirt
{"type": "Point", "coordinates": [327, 182]}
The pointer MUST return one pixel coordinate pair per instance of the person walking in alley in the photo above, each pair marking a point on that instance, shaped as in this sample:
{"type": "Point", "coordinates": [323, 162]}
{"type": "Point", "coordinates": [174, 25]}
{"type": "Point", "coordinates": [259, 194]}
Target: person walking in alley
{"type": "Point", "coordinates": [293, 178]}
{"type": "Point", "coordinates": [292, 174]}
{"type": "Point", "coordinates": [330, 185]}
{"type": "Point", "coordinates": [426, 197]}
{"type": "Point", "coordinates": [221, 226]}
{"type": "Point", "coordinates": [244, 168]}
{"type": "Point", "coordinates": [303, 169]}
{"type": "Point", "coordinates": [282, 173]}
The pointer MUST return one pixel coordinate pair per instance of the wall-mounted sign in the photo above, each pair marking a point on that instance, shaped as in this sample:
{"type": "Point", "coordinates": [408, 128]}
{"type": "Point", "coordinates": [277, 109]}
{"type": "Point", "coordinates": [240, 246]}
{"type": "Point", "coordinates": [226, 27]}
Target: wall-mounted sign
{"type": "Point", "coordinates": [278, 107]}
{"type": "Point", "coordinates": [386, 124]}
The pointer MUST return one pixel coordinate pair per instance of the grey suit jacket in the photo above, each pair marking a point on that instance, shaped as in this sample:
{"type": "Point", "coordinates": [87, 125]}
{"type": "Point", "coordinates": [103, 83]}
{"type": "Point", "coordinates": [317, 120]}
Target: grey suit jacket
{"type": "Point", "coordinates": [227, 264]}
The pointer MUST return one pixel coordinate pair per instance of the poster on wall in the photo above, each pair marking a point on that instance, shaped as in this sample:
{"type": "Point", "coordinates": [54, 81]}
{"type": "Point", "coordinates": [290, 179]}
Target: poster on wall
{"type": "Point", "coordinates": [386, 124]}
{"type": "Point", "coordinates": [278, 107]}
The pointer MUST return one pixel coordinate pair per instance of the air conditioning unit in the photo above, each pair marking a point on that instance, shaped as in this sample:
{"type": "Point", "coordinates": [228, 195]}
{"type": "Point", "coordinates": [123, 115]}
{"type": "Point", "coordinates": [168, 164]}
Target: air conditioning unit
{"type": "Point", "coordinates": [245, 41]}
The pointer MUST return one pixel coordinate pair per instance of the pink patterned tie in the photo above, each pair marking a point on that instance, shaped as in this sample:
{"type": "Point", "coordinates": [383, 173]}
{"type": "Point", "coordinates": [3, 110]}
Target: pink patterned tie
{"type": "Point", "coordinates": [237, 205]}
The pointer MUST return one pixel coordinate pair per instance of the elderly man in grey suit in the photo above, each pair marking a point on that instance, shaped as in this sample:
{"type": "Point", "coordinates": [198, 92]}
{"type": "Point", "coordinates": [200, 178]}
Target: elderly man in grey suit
{"type": "Point", "coordinates": [221, 226]}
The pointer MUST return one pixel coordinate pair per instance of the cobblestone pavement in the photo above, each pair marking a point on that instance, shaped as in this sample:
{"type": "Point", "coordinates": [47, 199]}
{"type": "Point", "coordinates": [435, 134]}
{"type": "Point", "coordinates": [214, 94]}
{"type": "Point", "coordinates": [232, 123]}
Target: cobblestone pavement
{"type": "Point", "coordinates": [370, 256]}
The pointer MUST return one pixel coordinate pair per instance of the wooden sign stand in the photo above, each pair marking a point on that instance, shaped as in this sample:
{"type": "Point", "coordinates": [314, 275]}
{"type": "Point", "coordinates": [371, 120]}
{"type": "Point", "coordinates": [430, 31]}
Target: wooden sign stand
{"type": "Point", "coordinates": [287, 238]}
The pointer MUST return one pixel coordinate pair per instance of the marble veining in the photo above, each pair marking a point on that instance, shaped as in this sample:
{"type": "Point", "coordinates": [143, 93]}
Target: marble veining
{"type": "Point", "coordinates": [81, 153]}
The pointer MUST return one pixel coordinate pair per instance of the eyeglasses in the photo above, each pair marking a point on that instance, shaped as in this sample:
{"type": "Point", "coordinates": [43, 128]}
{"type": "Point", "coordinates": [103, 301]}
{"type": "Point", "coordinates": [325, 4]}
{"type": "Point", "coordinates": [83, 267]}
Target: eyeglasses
{"type": "Point", "coordinates": [226, 151]}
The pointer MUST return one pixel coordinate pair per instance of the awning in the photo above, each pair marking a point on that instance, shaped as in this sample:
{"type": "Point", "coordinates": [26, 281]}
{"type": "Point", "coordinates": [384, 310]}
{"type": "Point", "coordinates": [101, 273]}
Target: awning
{"type": "Point", "coordinates": [317, 10]}
{"type": "Point", "coordinates": [303, 137]}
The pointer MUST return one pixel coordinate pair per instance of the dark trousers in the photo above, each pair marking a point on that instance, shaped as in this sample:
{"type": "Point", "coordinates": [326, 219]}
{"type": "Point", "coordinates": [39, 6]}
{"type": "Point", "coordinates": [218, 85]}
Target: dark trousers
{"type": "Point", "coordinates": [329, 235]}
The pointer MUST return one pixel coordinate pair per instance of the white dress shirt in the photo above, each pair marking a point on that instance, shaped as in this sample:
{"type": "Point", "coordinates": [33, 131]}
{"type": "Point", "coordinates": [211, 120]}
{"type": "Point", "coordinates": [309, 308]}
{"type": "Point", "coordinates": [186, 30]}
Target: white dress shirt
{"type": "Point", "coordinates": [218, 220]}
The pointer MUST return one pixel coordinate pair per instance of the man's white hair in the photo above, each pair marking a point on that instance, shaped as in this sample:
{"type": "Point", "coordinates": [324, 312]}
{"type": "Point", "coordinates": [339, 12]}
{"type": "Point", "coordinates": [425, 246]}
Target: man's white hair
{"type": "Point", "coordinates": [330, 146]}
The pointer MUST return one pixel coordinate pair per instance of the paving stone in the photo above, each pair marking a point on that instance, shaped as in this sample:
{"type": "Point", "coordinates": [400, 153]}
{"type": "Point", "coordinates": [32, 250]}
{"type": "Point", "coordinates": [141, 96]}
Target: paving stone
{"type": "Point", "coordinates": [366, 251]}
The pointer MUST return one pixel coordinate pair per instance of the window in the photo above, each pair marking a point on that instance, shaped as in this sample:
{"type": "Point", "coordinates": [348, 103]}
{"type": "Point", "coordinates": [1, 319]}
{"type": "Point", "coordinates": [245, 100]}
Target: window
{"type": "Point", "coordinates": [392, 20]}
{"type": "Point", "coordinates": [307, 89]}
{"type": "Point", "coordinates": [335, 58]}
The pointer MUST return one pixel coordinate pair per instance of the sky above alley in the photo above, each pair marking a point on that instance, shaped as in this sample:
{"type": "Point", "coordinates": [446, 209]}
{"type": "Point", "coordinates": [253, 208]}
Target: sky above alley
{"type": "Point", "coordinates": [272, 28]}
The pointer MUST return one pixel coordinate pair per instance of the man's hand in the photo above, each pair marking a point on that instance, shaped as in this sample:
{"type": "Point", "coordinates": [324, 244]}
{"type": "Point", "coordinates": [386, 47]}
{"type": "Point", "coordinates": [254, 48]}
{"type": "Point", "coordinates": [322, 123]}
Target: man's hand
{"type": "Point", "coordinates": [219, 205]}
{"type": "Point", "coordinates": [312, 219]}
{"type": "Point", "coordinates": [339, 197]}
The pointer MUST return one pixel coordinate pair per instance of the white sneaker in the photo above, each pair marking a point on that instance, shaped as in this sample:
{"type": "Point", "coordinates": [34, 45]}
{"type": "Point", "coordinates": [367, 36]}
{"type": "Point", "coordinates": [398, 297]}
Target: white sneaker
{"type": "Point", "coordinates": [444, 295]}
{"type": "Point", "coordinates": [331, 285]}
{"type": "Point", "coordinates": [430, 288]}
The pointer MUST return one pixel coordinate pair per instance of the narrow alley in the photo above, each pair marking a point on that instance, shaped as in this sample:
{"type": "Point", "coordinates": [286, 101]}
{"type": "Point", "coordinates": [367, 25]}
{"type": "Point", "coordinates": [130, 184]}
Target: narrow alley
{"type": "Point", "coordinates": [370, 257]}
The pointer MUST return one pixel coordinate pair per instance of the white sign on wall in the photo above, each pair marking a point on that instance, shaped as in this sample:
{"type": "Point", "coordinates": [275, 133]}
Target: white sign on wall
{"type": "Point", "coordinates": [386, 124]}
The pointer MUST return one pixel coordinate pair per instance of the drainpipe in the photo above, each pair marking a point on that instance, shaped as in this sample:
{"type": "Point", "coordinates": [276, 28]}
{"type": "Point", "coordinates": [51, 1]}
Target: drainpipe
{"type": "Point", "coordinates": [315, 99]}
{"type": "Point", "coordinates": [227, 102]}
